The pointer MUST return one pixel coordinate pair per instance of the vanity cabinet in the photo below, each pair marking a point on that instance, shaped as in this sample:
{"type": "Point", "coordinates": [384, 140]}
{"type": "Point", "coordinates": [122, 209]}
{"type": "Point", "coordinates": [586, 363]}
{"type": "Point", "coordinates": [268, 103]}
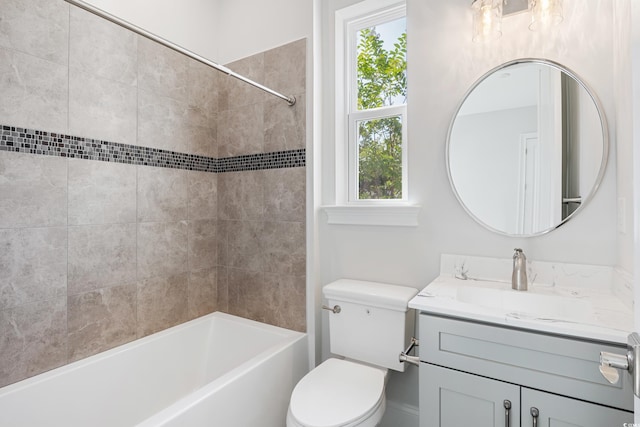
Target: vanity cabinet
{"type": "Point", "coordinates": [553, 410]}
{"type": "Point", "coordinates": [453, 398]}
{"type": "Point", "coordinates": [487, 375]}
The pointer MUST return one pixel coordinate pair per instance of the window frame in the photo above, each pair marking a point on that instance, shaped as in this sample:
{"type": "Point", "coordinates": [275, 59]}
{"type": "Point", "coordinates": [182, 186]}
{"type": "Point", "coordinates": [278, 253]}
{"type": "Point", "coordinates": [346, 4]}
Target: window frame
{"type": "Point", "coordinates": [353, 146]}
{"type": "Point", "coordinates": [348, 178]}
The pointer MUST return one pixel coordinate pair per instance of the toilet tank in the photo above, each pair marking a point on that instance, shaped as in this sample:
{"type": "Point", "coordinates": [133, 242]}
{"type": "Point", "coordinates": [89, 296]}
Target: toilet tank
{"type": "Point", "coordinates": [374, 323]}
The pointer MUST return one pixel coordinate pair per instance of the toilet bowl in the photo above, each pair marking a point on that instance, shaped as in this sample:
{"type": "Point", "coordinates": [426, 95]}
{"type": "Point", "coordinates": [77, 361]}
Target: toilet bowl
{"type": "Point", "coordinates": [339, 393]}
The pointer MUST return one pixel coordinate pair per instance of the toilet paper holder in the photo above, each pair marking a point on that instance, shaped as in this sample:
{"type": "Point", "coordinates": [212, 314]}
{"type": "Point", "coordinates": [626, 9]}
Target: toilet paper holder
{"type": "Point", "coordinates": [404, 355]}
{"type": "Point", "coordinates": [610, 363]}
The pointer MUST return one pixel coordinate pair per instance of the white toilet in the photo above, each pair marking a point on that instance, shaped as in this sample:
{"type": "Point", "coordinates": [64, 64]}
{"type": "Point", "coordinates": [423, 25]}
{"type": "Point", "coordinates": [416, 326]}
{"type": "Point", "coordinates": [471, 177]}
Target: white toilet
{"type": "Point", "coordinates": [370, 330]}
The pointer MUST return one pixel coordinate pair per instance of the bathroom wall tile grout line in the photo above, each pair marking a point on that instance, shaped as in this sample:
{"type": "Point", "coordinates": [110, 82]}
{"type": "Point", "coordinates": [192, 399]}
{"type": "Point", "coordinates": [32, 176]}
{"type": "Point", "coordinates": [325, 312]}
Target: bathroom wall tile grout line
{"type": "Point", "coordinates": [29, 141]}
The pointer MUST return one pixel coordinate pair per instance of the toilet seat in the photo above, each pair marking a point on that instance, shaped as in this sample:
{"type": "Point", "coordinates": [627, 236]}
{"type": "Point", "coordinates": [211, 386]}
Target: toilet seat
{"type": "Point", "coordinates": [338, 393]}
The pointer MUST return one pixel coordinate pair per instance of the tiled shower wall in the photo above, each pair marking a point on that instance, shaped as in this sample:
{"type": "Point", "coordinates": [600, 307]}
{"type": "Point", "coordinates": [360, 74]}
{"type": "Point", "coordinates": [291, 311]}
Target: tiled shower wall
{"type": "Point", "coordinates": [94, 254]}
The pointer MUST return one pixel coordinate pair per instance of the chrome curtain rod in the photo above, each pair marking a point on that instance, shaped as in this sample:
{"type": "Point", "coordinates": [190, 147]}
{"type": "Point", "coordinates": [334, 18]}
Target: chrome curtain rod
{"type": "Point", "coordinates": [291, 100]}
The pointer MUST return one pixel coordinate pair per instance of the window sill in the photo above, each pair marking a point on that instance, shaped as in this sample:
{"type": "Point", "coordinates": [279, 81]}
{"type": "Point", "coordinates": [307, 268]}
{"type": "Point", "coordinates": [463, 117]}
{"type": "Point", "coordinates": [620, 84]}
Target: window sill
{"type": "Point", "coordinates": [403, 216]}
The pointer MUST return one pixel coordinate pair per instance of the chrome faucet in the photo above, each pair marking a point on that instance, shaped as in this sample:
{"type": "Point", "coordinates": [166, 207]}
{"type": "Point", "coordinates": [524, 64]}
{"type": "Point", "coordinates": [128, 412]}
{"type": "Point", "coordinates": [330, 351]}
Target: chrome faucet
{"type": "Point", "coordinates": [519, 276]}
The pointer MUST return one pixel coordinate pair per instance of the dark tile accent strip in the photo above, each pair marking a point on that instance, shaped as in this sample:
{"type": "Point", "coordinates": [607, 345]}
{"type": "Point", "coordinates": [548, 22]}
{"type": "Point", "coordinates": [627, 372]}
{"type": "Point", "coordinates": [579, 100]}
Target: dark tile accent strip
{"type": "Point", "coordinates": [274, 160]}
{"type": "Point", "coordinates": [54, 144]}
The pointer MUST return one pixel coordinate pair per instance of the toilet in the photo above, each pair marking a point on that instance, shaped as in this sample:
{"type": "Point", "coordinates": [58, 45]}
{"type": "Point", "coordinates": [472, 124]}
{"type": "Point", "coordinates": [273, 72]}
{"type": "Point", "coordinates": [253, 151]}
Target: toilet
{"type": "Point", "coordinates": [368, 329]}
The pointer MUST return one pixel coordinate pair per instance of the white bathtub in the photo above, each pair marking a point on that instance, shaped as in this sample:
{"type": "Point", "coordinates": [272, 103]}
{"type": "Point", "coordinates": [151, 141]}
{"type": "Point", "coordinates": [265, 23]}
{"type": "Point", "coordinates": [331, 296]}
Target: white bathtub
{"type": "Point", "coordinates": [215, 371]}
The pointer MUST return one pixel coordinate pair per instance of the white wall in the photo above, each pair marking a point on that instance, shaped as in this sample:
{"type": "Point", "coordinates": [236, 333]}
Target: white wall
{"type": "Point", "coordinates": [443, 63]}
{"type": "Point", "coordinates": [220, 30]}
{"type": "Point", "coordinates": [624, 127]}
{"type": "Point", "coordinates": [627, 91]}
{"type": "Point", "coordinates": [192, 24]}
{"type": "Point", "coordinates": [251, 26]}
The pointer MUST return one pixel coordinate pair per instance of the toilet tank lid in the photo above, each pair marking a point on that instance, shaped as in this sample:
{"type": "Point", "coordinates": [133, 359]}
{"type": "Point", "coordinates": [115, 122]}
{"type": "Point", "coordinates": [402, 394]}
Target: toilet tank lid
{"type": "Point", "coordinates": [393, 297]}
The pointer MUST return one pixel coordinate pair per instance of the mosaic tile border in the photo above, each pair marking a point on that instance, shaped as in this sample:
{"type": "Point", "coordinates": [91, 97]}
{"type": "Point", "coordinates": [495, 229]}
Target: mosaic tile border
{"type": "Point", "coordinates": [30, 141]}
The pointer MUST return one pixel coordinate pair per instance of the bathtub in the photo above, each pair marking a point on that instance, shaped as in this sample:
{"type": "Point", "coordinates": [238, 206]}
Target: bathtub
{"type": "Point", "coordinates": [215, 371]}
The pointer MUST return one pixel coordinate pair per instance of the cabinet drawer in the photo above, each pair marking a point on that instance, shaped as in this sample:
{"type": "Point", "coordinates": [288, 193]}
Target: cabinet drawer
{"type": "Point", "coordinates": [561, 365]}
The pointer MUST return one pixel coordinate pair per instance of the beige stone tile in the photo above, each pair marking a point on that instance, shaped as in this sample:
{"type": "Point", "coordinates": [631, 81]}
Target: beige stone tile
{"type": "Point", "coordinates": [100, 48]}
{"type": "Point", "coordinates": [35, 92]}
{"type": "Point", "coordinates": [245, 245]}
{"type": "Point", "coordinates": [204, 87]}
{"type": "Point", "coordinates": [284, 125]}
{"type": "Point", "coordinates": [34, 339]}
{"type": "Point", "coordinates": [160, 121]}
{"type": "Point", "coordinates": [235, 93]}
{"type": "Point", "coordinates": [101, 256]}
{"type": "Point", "coordinates": [203, 292]}
{"type": "Point", "coordinates": [246, 294]}
{"type": "Point", "coordinates": [33, 190]}
{"type": "Point", "coordinates": [203, 245]}
{"type": "Point", "coordinates": [101, 192]}
{"type": "Point", "coordinates": [169, 124]}
{"type": "Point", "coordinates": [223, 242]}
{"type": "Point", "coordinates": [285, 297]}
{"type": "Point", "coordinates": [100, 320]}
{"type": "Point", "coordinates": [223, 289]}
{"type": "Point", "coordinates": [241, 131]}
{"type": "Point", "coordinates": [162, 303]}
{"type": "Point", "coordinates": [102, 109]}
{"type": "Point", "coordinates": [33, 265]}
{"type": "Point", "coordinates": [162, 194]}
{"type": "Point", "coordinates": [162, 71]}
{"type": "Point", "coordinates": [283, 247]}
{"type": "Point", "coordinates": [285, 66]}
{"type": "Point", "coordinates": [241, 195]}
{"type": "Point", "coordinates": [270, 298]}
{"type": "Point", "coordinates": [200, 140]}
{"type": "Point", "coordinates": [36, 27]}
{"type": "Point", "coordinates": [285, 194]}
{"type": "Point", "coordinates": [162, 249]}
{"type": "Point", "coordinates": [202, 192]}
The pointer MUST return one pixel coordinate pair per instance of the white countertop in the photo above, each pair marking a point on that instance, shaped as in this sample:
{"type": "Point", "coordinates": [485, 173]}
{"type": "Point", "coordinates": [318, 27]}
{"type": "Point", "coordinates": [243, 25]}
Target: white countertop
{"type": "Point", "coordinates": [572, 311]}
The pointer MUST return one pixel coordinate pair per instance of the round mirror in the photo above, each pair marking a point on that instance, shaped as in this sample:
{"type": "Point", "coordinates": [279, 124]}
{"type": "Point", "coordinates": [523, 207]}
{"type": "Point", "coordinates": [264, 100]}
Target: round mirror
{"type": "Point", "coordinates": [527, 148]}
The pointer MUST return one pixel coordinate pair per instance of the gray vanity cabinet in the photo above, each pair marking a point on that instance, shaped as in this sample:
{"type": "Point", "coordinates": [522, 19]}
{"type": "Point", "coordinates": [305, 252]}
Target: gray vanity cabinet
{"type": "Point", "coordinates": [559, 411]}
{"type": "Point", "coordinates": [487, 376]}
{"type": "Point", "coordinates": [453, 398]}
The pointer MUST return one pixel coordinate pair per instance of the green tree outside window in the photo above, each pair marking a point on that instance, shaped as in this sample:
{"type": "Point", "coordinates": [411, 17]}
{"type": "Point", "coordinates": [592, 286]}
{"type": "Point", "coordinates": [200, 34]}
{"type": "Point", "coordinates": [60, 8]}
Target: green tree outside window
{"type": "Point", "coordinates": [382, 81]}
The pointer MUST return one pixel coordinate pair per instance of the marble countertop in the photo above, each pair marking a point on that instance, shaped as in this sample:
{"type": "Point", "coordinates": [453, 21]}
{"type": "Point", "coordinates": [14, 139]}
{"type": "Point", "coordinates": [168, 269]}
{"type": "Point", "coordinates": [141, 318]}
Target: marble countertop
{"type": "Point", "coordinates": [584, 312]}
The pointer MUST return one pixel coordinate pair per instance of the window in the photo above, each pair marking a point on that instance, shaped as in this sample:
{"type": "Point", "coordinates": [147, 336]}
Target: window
{"type": "Point", "coordinates": [370, 116]}
{"type": "Point", "coordinates": [375, 107]}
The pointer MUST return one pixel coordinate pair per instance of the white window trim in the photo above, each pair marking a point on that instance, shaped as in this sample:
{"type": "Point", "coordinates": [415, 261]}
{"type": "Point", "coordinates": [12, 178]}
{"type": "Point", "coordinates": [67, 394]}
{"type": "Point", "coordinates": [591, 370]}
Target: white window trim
{"type": "Point", "coordinates": [399, 215]}
{"type": "Point", "coordinates": [398, 212]}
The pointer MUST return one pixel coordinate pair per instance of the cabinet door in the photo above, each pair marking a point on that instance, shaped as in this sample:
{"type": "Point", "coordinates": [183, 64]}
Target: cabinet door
{"type": "Point", "coordinates": [559, 411]}
{"type": "Point", "coordinates": [450, 398]}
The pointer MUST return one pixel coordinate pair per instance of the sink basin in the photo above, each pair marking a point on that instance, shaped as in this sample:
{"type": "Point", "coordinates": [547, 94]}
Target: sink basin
{"type": "Point", "coordinates": [528, 304]}
{"type": "Point", "coordinates": [591, 312]}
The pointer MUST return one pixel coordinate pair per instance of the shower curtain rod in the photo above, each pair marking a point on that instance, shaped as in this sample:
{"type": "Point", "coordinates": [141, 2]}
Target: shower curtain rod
{"type": "Point", "coordinates": [291, 100]}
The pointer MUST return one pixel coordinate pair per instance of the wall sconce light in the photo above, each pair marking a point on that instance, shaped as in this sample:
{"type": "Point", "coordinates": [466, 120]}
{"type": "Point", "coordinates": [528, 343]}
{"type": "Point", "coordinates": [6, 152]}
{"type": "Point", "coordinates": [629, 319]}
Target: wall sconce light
{"type": "Point", "coordinates": [545, 13]}
{"type": "Point", "coordinates": [487, 15]}
{"type": "Point", "coordinates": [487, 20]}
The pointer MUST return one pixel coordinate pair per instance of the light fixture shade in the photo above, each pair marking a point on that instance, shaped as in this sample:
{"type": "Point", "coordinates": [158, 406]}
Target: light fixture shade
{"type": "Point", "coordinates": [487, 20]}
{"type": "Point", "coordinates": [545, 14]}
